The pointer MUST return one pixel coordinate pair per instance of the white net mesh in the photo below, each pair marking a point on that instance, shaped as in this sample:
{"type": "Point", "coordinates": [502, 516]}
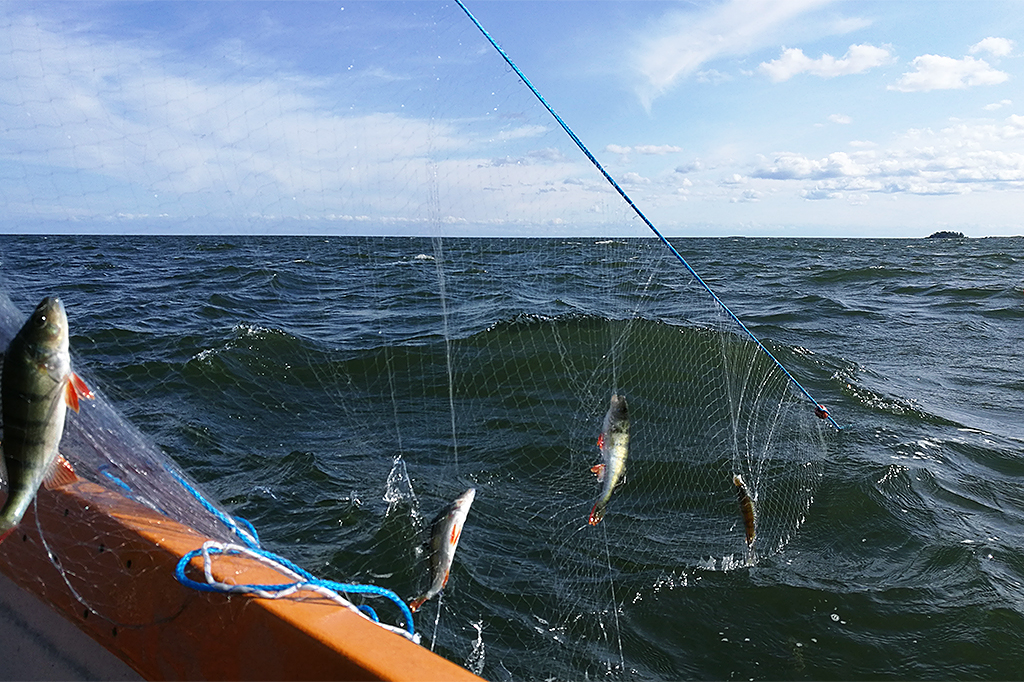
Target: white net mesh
{"type": "Point", "coordinates": [338, 391]}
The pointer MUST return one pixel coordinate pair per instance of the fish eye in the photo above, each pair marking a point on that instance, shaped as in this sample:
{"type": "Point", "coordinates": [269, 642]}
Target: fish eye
{"type": "Point", "coordinates": [41, 321]}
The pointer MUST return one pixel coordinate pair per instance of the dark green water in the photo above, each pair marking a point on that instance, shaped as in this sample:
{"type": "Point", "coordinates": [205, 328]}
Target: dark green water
{"type": "Point", "coordinates": [287, 374]}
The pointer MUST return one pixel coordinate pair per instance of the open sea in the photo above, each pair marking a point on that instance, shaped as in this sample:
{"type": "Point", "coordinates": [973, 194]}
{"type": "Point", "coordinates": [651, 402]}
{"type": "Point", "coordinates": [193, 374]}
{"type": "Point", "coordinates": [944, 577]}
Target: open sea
{"type": "Point", "coordinates": [313, 386]}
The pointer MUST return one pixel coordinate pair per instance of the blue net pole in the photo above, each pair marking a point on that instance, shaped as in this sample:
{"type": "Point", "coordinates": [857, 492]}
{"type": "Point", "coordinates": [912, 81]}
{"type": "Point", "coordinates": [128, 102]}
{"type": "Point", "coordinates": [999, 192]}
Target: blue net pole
{"type": "Point", "coordinates": [640, 214]}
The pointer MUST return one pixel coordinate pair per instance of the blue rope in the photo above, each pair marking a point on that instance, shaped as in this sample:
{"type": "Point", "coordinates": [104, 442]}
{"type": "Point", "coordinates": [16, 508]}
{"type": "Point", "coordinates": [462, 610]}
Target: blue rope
{"type": "Point", "coordinates": [308, 581]}
{"type": "Point", "coordinates": [247, 534]}
{"type": "Point", "coordinates": [635, 208]}
{"type": "Point", "coordinates": [370, 613]}
{"type": "Point", "coordinates": [251, 539]}
{"type": "Point", "coordinates": [105, 470]}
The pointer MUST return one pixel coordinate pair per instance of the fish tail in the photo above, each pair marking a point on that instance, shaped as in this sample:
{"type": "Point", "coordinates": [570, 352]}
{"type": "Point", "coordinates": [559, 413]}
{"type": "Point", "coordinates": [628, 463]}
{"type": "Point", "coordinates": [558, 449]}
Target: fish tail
{"type": "Point", "coordinates": [597, 513]}
{"type": "Point", "coordinates": [416, 603]}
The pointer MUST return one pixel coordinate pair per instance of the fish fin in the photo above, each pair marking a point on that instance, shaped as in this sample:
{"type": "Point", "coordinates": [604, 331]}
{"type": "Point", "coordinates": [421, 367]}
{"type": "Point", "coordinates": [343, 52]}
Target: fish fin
{"type": "Point", "coordinates": [7, 532]}
{"type": "Point", "coordinates": [81, 387]}
{"type": "Point", "coordinates": [596, 514]}
{"type": "Point", "coordinates": [600, 441]}
{"type": "Point", "coordinates": [75, 388]}
{"type": "Point", "coordinates": [61, 474]}
{"type": "Point", "coordinates": [416, 603]}
{"type": "Point", "coordinates": [70, 396]}
{"type": "Point", "coordinates": [598, 470]}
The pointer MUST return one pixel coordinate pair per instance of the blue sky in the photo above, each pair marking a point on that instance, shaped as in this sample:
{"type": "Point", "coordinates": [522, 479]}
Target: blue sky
{"type": "Point", "coordinates": [753, 117]}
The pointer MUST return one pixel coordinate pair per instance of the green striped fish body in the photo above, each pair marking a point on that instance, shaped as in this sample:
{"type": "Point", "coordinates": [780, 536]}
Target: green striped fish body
{"type": "Point", "coordinates": [36, 388]}
{"type": "Point", "coordinates": [614, 446]}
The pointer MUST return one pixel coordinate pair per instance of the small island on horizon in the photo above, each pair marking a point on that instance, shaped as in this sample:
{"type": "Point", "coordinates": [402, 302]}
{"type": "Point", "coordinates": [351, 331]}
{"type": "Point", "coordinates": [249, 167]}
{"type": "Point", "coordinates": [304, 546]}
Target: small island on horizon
{"type": "Point", "coordinates": [947, 235]}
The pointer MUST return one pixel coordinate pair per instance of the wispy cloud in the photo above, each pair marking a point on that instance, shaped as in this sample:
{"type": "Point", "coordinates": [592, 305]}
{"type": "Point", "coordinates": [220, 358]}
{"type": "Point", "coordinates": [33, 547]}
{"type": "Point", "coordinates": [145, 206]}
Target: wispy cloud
{"type": "Point", "coordinates": [694, 166]}
{"type": "Point", "coordinates": [934, 72]}
{"type": "Point", "coordinates": [655, 149]}
{"type": "Point", "coordinates": [858, 59]}
{"type": "Point", "coordinates": [688, 40]}
{"type": "Point", "coordinates": [994, 106]}
{"type": "Point", "coordinates": [160, 136]}
{"type": "Point", "coordinates": [521, 132]}
{"type": "Point", "coordinates": [713, 76]}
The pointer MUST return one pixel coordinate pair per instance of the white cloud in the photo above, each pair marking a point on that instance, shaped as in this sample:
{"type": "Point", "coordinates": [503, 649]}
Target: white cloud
{"type": "Point", "coordinates": [142, 132]}
{"type": "Point", "coordinates": [694, 166]}
{"type": "Point", "coordinates": [748, 195]}
{"type": "Point", "coordinates": [997, 47]}
{"type": "Point", "coordinates": [959, 159]}
{"type": "Point", "coordinates": [385, 75]}
{"type": "Point", "coordinates": [635, 179]}
{"type": "Point", "coordinates": [646, 149]}
{"type": "Point", "coordinates": [682, 42]}
{"type": "Point", "coordinates": [152, 126]}
{"type": "Point", "coordinates": [522, 132]}
{"type": "Point", "coordinates": [998, 105]}
{"type": "Point", "coordinates": [789, 166]}
{"type": "Point", "coordinates": [842, 119]}
{"type": "Point", "coordinates": [658, 149]}
{"type": "Point", "coordinates": [858, 59]}
{"type": "Point", "coordinates": [713, 76]}
{"type": "Point", "coordinates": [818, 193]}
{"type": "Point", "coordinates": [933, 72]}
{"type": "Point", "coordinates": [547, 154]}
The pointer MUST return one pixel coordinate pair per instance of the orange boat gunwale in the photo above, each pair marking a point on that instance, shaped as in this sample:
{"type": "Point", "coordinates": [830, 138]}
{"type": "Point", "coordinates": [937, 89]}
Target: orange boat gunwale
{"type": "Point", "coordinates": [164, 630]}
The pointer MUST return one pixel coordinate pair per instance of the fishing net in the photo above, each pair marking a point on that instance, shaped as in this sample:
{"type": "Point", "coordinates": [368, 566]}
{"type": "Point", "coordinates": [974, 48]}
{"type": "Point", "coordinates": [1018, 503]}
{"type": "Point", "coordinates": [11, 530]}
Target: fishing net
{"type": "Point", "coordinates": [461, 295]}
